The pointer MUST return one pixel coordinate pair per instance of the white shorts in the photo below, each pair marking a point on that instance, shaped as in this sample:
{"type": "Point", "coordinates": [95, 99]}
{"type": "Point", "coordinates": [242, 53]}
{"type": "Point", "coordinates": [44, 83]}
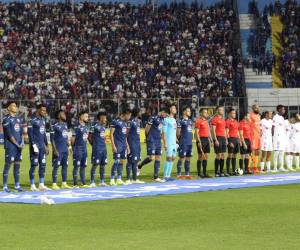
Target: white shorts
{"type": "Point", "coordinates": [279, 143]}
{"type": "Point", "coordinates": [266, 144]}
{"type": "Point", "coordinates": [295, 147]}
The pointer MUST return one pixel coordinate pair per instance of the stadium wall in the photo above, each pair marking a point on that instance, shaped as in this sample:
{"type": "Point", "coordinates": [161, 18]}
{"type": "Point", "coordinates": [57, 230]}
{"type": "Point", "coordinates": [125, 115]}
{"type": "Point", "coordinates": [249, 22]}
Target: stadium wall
{"type": "Point", "coordinates": [268, 99]}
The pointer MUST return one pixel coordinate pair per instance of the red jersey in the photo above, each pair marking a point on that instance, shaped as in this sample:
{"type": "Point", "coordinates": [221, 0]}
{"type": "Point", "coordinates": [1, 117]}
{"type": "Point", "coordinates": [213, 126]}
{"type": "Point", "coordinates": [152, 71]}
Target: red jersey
{"type": "Point", "coordinates": [245, 126]}
{"type": "Point", "coordinates": [233, 128]}
{"type": "Point", "coordinates": [203, 127]}
{"type": "Point", "coordinates": [220, 124]}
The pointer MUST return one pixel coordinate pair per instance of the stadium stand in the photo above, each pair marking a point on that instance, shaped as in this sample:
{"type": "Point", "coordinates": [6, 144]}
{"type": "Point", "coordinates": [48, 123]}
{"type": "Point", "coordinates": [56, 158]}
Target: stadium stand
{"type": "Point", "coordinates": [290, 37]}
{"type": "Point", "coordinates": [117, 50]}
{"type": "Point", "coordinates": [255, 31]}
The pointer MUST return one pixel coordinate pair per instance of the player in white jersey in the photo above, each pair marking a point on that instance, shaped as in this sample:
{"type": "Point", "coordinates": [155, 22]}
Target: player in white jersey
{"type": "Point", "coordinates": [295, 140]}
{"type": "Point", "coordinates": [279, 139]}
{"type": "Point", "coordinates": [288, 147]}
{"type": "Point", "coordinates": [266, 125]}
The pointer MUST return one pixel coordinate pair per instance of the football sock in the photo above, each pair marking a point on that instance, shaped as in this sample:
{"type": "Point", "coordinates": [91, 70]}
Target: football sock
{"type": "Point", "coordinates": [120, 170]}
{"type": "Point", "coordinates": [281, 159]}
{"type": "Point", "coordinates": [228, 160]}
{"type": "Point", "coordinates": [199, 167]}
{"type": "Point", "coordinates": [268, 164]}
{"type": "Point", "coordinates": [54, 174]}
{"type": "Point", "coordinates": [64, 172]}
{"type": "Point", "coordinates": [241, 164]}
{"type": "Point", "coordinates": [262, 166]}
{"type": "Point", "coordinates": [255, 161]}
{"type": "Point", "coordinates": [102, 172]}
{"type": "Point", "coordinates": [113, 170]}
{"type": "Point", "coordinates": [275, 159]}
{"type": "Point", "coordinates": [93, 172]}
{"type": "Point", "coordinates": [145, 161]}
{"type": "Point", "coordinates": [297, 161]}
{"type": "Point", "coordinates": [179, 163]}
{"type": "Point", "coordinates": [166, 167]}
{"type": "Point", "coordinates": [75, 174]}
{"type": "Point", "coordinates": [156, 168]}
{"type": "Point", "coordinates": [246, 163]}
{"type": "Point", "coordinates": [204, 165]}
{"type": "Point", "coordinates": [31, 173]}
{"type": "Point", "coordinates": [128, 170]}
{"type": "Point", "coordinates": [221, 165]}
{"type": "Point", "coordinates": [82, 175]}
{"type": "Point", "coordinates": [17, 174]}
{"type": "Point", "coordinates": [170, 169]}
{"type": "Point", "coordinates": [217, 163]}
{"type": "Point", "coordinates": [5, 174]}
{"type": "Point", "coordinates": [134, 170]}
{"type": "Point", "coordinates": [233, 162]}
{"type": "Point", "coordinates": [187, 167]}
{"type": "Point", "coordinates": [288, 161]}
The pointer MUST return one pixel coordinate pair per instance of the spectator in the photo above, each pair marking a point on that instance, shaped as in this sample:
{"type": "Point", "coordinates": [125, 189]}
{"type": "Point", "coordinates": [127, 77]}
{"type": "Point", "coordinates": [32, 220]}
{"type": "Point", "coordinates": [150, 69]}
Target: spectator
{"type": "Point", "coordinates": [110, 51]}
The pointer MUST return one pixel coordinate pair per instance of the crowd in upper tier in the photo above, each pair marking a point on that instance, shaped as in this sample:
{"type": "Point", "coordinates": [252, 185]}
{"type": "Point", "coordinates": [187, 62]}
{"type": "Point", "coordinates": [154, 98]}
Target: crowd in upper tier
{"type": "Point", "coordinates": [290, 40]}
{"type": "Point", "coordinates": [51, 50]}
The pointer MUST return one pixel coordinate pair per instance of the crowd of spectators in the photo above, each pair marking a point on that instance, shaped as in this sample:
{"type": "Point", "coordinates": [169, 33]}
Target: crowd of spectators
{"type": "Point", "coordinates": [290, 39]}
{"type": "Point", "coordinates": [260, 58]}
{"type": "Point", "coordinates": [109, 51]}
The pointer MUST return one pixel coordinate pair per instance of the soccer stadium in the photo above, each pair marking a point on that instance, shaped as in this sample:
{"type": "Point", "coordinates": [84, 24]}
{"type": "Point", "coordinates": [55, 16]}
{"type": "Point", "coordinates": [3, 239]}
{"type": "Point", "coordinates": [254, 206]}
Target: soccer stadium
{"type": "Point", "coordinates": [150, 124]}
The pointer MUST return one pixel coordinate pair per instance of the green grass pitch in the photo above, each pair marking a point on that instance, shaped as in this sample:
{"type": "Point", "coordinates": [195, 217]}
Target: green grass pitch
{"type": "Point", "coordinates": [254, 218]}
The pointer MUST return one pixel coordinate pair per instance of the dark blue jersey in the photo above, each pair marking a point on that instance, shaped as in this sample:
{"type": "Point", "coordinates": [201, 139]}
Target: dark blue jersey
{"type": "Point", "coordinates": [12, 127]}
{"type": "Point", "coordinates": [120, 133]}
{"type": "Point", "coordinates": [156, 123]}
{"type": "Point", "coordinates": [186, 132]}
{"type": "Point", "coordinates": [59, 136]}
{"type": "Point", "coordinates": [80, 132]}
{"type": "Point", "coordinates": [98, 135]}
{"type": "Point", "coordinates": [37, 132]}
{"type": "Point", "coordinates": [134, 127]}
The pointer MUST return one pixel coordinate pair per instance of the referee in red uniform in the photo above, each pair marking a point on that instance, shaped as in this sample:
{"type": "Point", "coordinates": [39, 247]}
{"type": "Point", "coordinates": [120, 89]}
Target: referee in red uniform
{"type": "Point", "coordinates": [220, 140]}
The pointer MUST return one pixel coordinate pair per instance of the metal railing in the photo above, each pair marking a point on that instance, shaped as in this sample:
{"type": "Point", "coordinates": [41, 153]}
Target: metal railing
{"type": "Point", "coordinates": [113, 107]}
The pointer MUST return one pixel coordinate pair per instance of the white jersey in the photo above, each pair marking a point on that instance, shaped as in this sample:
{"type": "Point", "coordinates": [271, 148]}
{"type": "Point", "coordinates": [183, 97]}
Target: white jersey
{"type": "Point", "coordinates": [288, 143]}
{"type": "Point", "coordinates": [279, 139]}
{"type": "Point", "coordinates": [266, 135]}
{"type": "Point", "coordinates": [295, 137]}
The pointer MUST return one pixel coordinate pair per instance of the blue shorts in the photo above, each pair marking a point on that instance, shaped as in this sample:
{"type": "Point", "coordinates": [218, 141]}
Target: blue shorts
{"type": "Point", "coordinates": [185, 150]}
{"type": "Point", "coordinates": [80, 159]}
{"type": "Point", "coordinates": [38, 158]}
{"type": "Point", "coordinates": [99, 157]}
{"type": "Point", "coordinates": [13, 155]}
{"type": "Point", "coordinates": [60, 160]}
{"type": "Point", "coordinates": [154, 148]}
{"type": "Point", "coordinates": [121, 153]}
{"type": "Point", "coordinates": [135, 154]}
{"type": "Point", "coordinates": [171, 150]}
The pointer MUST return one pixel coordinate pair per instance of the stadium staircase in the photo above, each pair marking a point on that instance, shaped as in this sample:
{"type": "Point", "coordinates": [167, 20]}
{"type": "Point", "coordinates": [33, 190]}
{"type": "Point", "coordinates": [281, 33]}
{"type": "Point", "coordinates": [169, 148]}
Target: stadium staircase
{"type": "Point", "coordinates": [277, 50]}
{"type": "Point", "coordinates": [248, 25]}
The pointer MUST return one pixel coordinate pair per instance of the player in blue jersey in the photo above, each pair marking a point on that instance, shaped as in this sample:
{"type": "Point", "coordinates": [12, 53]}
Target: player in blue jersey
{"type": "Point", "coordinates": [60, 145]}
{"type": "Point", "coordinates": [169, 141]}
{"type": "Point", "coordinates": [79, 147]}
{"type": "Point", "coordinates": [134, 142]}
{"type": "Point", "coordinates": [185, 138]}
{"type": "Point", "coordinates": [13, 144]}
{"type": "Point", "coordinates": [99, 153]}
{"type": "Point", "coordinates": [153, 131]}
{"type": "Point", "coordinates": [120, 147]}
{"type": "Point", "coordinates": [38, 146]}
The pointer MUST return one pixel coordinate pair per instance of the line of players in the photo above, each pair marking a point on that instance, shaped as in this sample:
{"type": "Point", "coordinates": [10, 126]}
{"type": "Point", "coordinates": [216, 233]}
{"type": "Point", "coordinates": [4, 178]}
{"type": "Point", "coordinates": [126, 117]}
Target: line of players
{"type": "Point", "coordinates": [246, 137]}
